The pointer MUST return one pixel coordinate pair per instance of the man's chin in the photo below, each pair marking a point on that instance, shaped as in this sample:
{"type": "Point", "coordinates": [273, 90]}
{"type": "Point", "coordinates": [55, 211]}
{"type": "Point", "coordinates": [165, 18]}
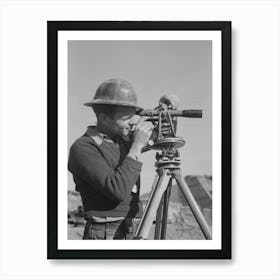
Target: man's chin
{"type": "Point", "coordinates": [126, 133]}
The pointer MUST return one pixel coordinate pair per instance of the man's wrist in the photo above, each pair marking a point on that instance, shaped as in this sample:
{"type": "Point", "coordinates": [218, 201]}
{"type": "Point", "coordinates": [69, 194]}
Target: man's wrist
{"type": "Point", "coordinates": [135, 152]}
{"type": "Point", "coordinates": [135, 157]}
{"type": "Point", "coordinates": [135, 149]}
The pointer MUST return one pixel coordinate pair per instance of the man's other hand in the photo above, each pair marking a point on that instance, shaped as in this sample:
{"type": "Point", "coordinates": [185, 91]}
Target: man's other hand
{"type": "Point", "coordinates": [171, 100]}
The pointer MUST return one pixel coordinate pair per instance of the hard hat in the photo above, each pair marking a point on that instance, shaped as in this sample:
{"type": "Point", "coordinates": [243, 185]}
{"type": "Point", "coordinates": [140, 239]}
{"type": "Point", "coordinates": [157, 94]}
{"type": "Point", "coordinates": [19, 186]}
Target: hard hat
{"type": "Point", "coordinates": [115, 92]}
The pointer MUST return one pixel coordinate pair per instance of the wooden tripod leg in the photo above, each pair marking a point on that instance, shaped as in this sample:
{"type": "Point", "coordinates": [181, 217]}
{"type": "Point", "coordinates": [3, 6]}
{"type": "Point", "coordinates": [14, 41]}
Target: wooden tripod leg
{"type": "Point", "coordinates": [159, 220]}
{"type": "Point", "coordinates": [165, 209]}
{"type": "Point", "coordinates": [146, 222]}
{"type": "Point", "coordinates": [162, 213]}
{"type": "Point", "coordinates": [193, 205]}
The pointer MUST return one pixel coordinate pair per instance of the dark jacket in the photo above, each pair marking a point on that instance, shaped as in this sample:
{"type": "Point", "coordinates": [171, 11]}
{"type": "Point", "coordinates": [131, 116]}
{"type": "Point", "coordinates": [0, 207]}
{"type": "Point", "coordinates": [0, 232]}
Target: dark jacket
{"type": "Point", "coordinates": [105, 176]}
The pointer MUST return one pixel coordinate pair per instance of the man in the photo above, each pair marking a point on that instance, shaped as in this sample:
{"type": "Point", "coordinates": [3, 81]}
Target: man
{"type": "Point", "coordinates": [106, 163]}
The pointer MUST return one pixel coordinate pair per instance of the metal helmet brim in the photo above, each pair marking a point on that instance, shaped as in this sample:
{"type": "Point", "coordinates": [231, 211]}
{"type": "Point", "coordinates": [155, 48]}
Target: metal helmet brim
{"type": "Point", "coordinates": [115, 92]}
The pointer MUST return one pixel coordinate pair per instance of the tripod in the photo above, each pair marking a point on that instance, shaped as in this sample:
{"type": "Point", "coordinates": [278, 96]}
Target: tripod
{"type": "Point", "coordinates": [168, 164]}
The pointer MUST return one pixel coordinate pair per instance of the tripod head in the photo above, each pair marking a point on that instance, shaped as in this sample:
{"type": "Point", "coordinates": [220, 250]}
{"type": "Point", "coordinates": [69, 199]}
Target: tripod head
{"type": "Point", "coordinates": [164, 136]}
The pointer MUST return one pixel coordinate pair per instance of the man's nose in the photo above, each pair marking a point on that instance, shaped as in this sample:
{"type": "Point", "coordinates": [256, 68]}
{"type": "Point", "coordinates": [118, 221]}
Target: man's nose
{"type": "Point", "coordinates": [131, 124]}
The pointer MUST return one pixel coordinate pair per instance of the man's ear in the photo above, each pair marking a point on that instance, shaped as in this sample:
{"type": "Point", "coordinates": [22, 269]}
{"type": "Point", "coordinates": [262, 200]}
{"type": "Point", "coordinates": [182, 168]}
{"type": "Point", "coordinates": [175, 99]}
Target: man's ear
{"type": "Point", "coordinates": [102, 117]}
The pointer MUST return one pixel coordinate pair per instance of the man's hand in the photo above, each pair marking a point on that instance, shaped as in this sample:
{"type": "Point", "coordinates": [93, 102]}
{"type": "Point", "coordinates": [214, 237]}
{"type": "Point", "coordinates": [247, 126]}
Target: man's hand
{"type": "Point", "coordinates": [142, 133]}
{"type": "Point", "coordinates": [172, 101]}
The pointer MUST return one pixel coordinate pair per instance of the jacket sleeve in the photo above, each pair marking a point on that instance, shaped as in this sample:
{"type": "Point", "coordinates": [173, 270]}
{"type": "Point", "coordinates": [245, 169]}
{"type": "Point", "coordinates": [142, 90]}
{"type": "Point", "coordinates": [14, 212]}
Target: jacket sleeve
{"type": "Point", "coordinates": [87, 163]}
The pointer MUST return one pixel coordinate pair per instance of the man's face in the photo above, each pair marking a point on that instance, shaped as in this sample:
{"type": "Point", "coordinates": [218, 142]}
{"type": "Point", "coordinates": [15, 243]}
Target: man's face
{"type": "Point", "coordinates": [120, 124]}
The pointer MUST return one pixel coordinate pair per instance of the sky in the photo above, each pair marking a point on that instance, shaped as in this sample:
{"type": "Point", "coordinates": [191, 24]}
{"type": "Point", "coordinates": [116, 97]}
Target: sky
{"type": "Point", "coordinates": [154, 68]}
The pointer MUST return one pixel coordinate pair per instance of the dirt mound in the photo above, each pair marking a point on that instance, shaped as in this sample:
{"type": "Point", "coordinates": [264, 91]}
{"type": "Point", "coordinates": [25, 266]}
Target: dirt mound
{"type": "Point", "coordinates": [75, 209]}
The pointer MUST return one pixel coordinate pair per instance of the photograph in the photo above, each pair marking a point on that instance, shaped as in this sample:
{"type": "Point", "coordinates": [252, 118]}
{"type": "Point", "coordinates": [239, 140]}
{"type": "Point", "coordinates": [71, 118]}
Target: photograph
{"type": "Point", "coordinates": [141, 140]}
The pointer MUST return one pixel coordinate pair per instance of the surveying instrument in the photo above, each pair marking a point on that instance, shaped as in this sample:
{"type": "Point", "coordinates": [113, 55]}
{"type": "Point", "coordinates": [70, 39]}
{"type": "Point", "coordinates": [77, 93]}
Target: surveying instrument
{"type": "Point", "coordinates": [168, 164]}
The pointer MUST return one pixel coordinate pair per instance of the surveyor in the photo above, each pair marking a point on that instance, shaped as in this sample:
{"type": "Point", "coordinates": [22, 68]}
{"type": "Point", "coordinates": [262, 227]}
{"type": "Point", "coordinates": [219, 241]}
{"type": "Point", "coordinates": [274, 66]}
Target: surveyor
{"type": "Point", "coordinates": [106, 162]}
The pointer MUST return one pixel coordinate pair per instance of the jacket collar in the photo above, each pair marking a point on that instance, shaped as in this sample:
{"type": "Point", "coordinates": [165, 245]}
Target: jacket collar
{"type": "Point", "coordinates": [97, 136]}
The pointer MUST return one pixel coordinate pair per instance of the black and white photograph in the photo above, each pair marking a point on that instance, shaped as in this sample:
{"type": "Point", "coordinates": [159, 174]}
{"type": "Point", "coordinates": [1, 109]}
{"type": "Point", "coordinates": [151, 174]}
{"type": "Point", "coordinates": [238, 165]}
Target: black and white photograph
{"type": "Point", "coordinates": [139, 143]}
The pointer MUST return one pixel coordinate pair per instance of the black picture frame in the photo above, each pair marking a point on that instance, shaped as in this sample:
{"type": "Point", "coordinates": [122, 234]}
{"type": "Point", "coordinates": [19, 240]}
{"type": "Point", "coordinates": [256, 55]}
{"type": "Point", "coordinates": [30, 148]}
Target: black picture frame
{"type": "Point", "coordinates": [53, 27]}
